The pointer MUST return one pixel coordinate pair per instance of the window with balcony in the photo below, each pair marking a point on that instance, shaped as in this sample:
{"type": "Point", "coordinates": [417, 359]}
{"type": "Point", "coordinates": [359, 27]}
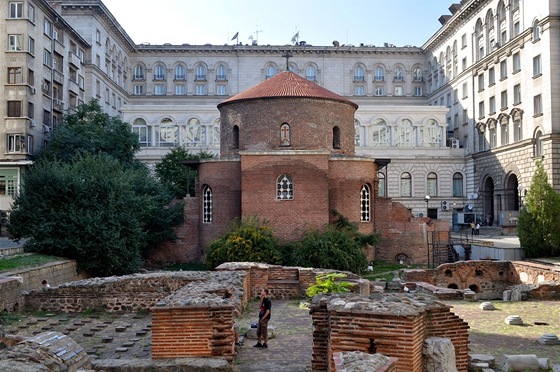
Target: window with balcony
{"type": "Point", "coordinates": [221, 73]}
{"type": "Point", "coordinates": [138, 73]}
{"type": "Point", "coordinates": [180, 72]}
{"type": "Point", "coordinates": [200, 73]}
{"type": "Point", "coordinates": [379, 74]}
{"type": "Point", "coordinates": [418, 75]}
{"type": "Point", "coordinates": [359, 74]}
{"type": "Point", "coordinates": [271, 71]}
{"type": "Point", "coordinates": [398, 76]}
{"type": "Point", "coordinates": [311, 73]}
{"type": "Point", "coordinates": [159, 72]}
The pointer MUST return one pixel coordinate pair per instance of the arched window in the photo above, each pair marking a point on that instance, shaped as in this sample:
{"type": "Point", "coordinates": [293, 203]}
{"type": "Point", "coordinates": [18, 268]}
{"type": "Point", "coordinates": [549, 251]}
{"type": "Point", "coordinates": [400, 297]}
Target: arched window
{"type": "Point", "coordinates": [180, 72]}
{"type": "Point", "coordinates": [517, 127]}
{"type": "Point", "coordinates": [221, 73]}
{"type": "Point", "coordinates": [215, 132]}
{"type": "Point", "coordinates": [159, 72]}
{"type": "Point", "coordinates": [365, 201]}
{"type": "Point", "coordinates": [310, 73]}
{"type": "Point", "coordinates": [140, 128]}
{"type": "Point", "coordinates": [285, 135]}
{"type": "Point", "coordinates": [138, 73]}
{"type": "Point", "coordinates": [271, 71]}
{"type": "Point", "coordinates": [336, 138]}
{"type": "Point", "coordinates": [200, 73]}
{"type": "Point", "coordinates": [432, 134]}
{"type": "Point", "coordinates": [431, 184]}
{"type": "Point", "coordinates": [406, 133]}
{"type": "Point", "coordinates": [418, 75]}
{"type": "Point", "coordinates": [380, 133]}
{"type": "Point", "coordinates": [536, 31]}
{"type": "Point", "coordinates": [357, 130]}
{"type": "Point", "coordinates": [207, 207]}
{"type": "Point", "coordinates": [235, 137]}
{"type": "Point", "coordinates": [284, 187]}
{"type": "Point", "coordinates": [406, 184]}
{"type": "Point", "coordinates": [538, 151]}
{"type": "Point", "coordinates": [457, 184]}
{"type": "Point", "coordinates": [194, 134]}
{"type": "Point", "coordinates": [167, 133]}
{"type": "Point", "coordinates": [379, 74]}
{"type": "Point", "coordinates": [359, 73]}
{"type": "Point", "coordinates": [382, 187]}
{"type": "Point", "coordinates": [398, 74]}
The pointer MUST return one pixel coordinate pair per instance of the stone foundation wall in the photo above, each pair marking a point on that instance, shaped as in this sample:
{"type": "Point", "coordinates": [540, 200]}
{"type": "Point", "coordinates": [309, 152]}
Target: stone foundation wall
{"type": "Point", "coordinates": [284, 282]}
{"type": "Point", "coordinates": [534, 273]}
{"type": "Point", "coordinates": [392, 325]}
{"type": "Point", "coordinates": [12, 283]}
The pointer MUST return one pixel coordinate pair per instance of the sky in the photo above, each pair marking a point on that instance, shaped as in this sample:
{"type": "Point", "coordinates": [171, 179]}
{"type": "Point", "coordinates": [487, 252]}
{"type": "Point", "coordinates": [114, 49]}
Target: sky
{"type": "Point", "coordinates": [319, 22]}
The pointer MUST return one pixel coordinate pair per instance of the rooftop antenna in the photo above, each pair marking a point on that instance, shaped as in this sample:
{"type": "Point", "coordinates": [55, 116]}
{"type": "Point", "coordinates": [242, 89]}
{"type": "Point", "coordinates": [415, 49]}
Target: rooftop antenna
{"type": "Point", "coordinates": [256, 38]}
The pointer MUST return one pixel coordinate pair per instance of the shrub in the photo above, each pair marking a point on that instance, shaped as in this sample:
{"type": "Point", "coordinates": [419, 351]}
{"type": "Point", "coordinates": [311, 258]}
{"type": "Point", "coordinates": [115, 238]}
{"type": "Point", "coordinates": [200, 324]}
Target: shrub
{"type": "Point", "coordinates": [248, 240]}
{"type": "Point", "coordinates": [327, 283]}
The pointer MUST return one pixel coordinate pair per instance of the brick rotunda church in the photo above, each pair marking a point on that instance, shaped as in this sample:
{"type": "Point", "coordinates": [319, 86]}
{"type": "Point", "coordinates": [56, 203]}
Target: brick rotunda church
{"type": "Point", "coordinates": [287, 157]}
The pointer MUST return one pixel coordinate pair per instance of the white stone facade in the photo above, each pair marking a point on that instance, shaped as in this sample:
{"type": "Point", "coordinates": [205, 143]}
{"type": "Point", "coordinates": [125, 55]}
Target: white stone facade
{"type": "Point", "coordinates": [447, 136]}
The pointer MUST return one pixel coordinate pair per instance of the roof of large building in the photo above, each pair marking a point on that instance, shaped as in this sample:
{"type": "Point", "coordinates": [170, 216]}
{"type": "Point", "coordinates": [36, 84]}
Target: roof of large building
{"type": "Point", "coordinates": [287, 84]}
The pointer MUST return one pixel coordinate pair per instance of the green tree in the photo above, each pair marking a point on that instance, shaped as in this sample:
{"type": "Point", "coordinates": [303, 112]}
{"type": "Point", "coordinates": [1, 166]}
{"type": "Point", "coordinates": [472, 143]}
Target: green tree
{"type": "Point", "coordinates": [172, 171]}
{"type": "Point", "coordinates": [98, 206]}
{"type": "Point", "coordinates": [249, 240]}
{"type": "Point", "coordinates": [538, 228]}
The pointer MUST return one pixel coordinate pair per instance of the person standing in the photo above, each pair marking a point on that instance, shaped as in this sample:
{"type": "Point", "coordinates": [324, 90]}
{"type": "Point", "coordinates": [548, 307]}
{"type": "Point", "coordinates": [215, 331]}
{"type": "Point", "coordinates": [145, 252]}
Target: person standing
{"type": "Point", "coordinates": [264, 317]}
{"type": "Point", "coordinates": [472, 228]}
{"type": "Point", "coordinates": [477, 229]}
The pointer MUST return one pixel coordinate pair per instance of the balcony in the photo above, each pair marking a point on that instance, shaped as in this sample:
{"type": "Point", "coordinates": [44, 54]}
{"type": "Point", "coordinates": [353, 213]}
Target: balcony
{"type": "Point", "coordinates": [73, 87]}
{"type": "Point", "coordinates": [74, 59]}
{"type": "Point", "coordinates": [58, 77]}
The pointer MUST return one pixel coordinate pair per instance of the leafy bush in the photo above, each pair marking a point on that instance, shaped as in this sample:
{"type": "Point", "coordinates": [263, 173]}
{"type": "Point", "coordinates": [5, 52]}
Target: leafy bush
{"type": "Point", "coordinates": [248, 240]}
{"type": "Point", "coordinates": [327, 283]}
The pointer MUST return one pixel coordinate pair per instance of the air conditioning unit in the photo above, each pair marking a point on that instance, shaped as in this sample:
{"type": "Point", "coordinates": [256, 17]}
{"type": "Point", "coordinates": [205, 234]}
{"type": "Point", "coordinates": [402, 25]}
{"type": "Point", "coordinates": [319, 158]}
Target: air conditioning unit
{"type": "Point", "coordinates": [32, 123]}
{"type": "Point", "coordinates": [46, 129]}
{"type": "Point", "coordinates": [44, 86]}
{"type": "Point", "coordinates": [445, 206]}
{"type": "Point", "coordinates": [454, 143]}
{"type": "Point", "coordinates": [32, 90]}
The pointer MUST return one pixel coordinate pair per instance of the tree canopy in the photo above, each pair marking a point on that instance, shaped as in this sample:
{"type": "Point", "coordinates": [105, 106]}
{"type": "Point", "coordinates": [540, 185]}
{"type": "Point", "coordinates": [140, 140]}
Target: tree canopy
{"type": "Point", "coordinates": [539, 226]}
{"type": "Point", "coordinates": [90, 200]}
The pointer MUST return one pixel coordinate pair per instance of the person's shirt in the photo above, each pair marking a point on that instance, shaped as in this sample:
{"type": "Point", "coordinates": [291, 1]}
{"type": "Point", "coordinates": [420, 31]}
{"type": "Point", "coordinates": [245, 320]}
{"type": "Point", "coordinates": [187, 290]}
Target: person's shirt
{"type": "Point", "coordinates": [266, 305]}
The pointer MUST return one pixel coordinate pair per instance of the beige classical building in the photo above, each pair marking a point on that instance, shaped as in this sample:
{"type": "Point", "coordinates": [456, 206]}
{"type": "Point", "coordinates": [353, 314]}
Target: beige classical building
{"type": "Point", "coordinates": [461, 118]}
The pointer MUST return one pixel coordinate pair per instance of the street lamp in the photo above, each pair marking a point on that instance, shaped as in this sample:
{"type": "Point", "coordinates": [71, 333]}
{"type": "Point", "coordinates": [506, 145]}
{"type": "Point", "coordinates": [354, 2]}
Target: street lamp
{"type": "Point", "coordinates": [519, 190]}
{"type": "Point", "coordinates": [427, 200]}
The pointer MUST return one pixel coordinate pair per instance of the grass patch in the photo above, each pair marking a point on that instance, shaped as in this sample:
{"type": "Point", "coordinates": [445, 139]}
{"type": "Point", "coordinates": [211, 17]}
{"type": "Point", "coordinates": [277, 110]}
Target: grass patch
{"type": "Point", "coordinates": [25, 261]}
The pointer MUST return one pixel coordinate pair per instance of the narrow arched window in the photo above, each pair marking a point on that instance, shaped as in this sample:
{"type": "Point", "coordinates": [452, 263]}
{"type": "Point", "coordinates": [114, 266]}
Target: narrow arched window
{"type": "Point", "coordinates": [284, 187]}
{"type": "Point", "coordinates": [336, 138]}
{"type": "Point", "coordinates": [180, 72]}
{"type": "Point", "coordinates": [365, 200]}
{"type": "Point", "coordinates": [285, 135]}
{"type": "Point", "coordinates": [381, 185]}
{"type": "Point", "coordinates": [138, 73]}
{"type": "Point", "coordinates": [431, 184]}
{"type": "Point", "coordinates": [207, 206]}
{"type": "Point", "coordinates": [406, 184]}
{"type": "Point", "coordinates": [159, 72]}
{"type": "Point", "coordinates": [457, 184]}
{"type": "Point", "coordinates": [235, 137]}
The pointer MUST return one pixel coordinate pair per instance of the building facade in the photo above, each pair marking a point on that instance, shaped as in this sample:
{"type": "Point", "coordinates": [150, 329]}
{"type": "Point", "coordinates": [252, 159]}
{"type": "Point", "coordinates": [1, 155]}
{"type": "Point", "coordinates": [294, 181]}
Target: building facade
{"type": "Point", "coordinates": [462, 118]}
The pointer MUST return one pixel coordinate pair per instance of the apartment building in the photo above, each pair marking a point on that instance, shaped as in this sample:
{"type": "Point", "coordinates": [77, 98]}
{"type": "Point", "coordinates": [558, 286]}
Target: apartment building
{"type": "Point", "coordinates": [460, 119]}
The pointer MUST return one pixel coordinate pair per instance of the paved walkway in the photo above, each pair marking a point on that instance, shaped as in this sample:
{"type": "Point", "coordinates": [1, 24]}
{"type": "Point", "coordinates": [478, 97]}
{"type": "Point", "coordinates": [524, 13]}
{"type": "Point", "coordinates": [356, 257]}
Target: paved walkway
{"type": "Point", "coordinates": [289, 350]}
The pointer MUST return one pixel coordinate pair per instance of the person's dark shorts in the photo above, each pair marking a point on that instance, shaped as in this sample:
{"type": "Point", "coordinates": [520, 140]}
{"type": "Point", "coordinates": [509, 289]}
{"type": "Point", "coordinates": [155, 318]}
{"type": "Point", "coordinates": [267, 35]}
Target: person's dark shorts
{"type": "Point", "coordinates": [262, 328]}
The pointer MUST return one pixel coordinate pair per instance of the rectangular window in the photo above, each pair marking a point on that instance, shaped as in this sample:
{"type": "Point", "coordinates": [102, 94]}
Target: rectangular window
{"type": "Point", "coordinates": [480, 82]}
{"type": "Point", "coordinates": [463, 41]}
{"type": "Point", "coordinates": [180, 89]}
{"type": "Point", "coordinates": [15, 142]}
{"type": "Point", "coordinates": [464, 91]}
{"type": "Point", "coordinates": [537, 105]}
{"type": "Point", "coordinates": [107, 96]}
{"type": "Point", "coordinates": [31, 13]}
{"type": "Point", "coordinates": [138, 90]}
{"type": "Point", "coordinates": [517, 94]}
{"type": "Point", "coordinates": [98, 36]}
{"type": "Point", "coordinates": [537, 70]}
{"type": "Point", "coordinates": [200, 90]}
{"type": "Point", "coordinates": [456, 121]}
{"type": "Point", "coordinates": [359, 90]}
{"type": "Point", "coordinates": [30, 110]}
{"type": "Point", "coordinates": [81, 82]}
{"type": "Point", "coordinates": [503, 70]}
{"type": "Point", "coordinates": [14, 109]}
{"type": "Point", "coordinates": [418, 91]}
{"type": "Point", "coordinates": [455, 96]}
{"type": "Point", "coordinates": [15, 9]}
{"type": "Point", "coordinates": [516, 28]}
{"type": "Point", "coordinates": [516, 62]}
{"type": "Point", "coordinates": [492, 105]}
{"type": "Point", "coordinates": [503, 98]}
{"type": "Point", "coordinates": [15, 75]}
{"type": "Point", "coordinates": [31, 45]}
{"type": "Point", "coordinates": [491, 76]}
{"type": "Point", "coordinates": [30, 77]}
{"type": "Point", "coordinates": [448, 99]}
{"type": "Point", "coordinates": [504, 135]}
{"type": "Point", "coordinates": [81, 55]}
{"type": "Point", "coordinates": [481, 110]}
{"type": "Point", "coordinates": [47, 27]}
{"type": "Point", "coordinates": [47, 58]}
{"type": "Point", "coordinates": [221, 90]}
{"type": "Point", "coordinates": [14, 43]}
{"type": "Point", "coordinates": [464, 64]}
{"type": "Point", "coordinates": [465, 117]}
{"type": "Point", "coordinates": [398, 91]}
{"type": "Point", "coordinates": [159, 89]}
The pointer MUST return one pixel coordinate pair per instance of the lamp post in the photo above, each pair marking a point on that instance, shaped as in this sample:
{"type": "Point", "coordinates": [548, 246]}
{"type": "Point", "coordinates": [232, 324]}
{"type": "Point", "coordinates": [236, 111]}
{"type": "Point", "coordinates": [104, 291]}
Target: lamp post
{"type": "Point", "coordinates": [519, 190]}
{"type": "Point", "coordinates": [427, 200]}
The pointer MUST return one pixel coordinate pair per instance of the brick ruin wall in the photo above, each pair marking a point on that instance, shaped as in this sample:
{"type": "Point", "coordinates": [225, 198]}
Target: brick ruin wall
{"type": "Point", "coordinates": [13, 283]}
{"type": "Point", "coordinates": [371, 325]}
{"type": "Point", "coordinates": [488, 279]}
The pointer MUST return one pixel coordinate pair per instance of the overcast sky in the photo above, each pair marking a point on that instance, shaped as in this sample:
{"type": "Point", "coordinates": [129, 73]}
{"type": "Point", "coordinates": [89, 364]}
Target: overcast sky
{"type": "Point", "coordinates": [319, 22]}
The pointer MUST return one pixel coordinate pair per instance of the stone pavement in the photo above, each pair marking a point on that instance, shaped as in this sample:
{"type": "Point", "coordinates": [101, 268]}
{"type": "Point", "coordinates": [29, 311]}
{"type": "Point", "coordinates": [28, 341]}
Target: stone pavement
{"type": "Point", "coordinates": [289, 350]}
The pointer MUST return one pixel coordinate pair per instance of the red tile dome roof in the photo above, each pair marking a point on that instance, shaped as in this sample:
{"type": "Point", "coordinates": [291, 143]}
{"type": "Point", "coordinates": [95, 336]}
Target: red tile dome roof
{"type": "Point", "coordinates": [287, 84]}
